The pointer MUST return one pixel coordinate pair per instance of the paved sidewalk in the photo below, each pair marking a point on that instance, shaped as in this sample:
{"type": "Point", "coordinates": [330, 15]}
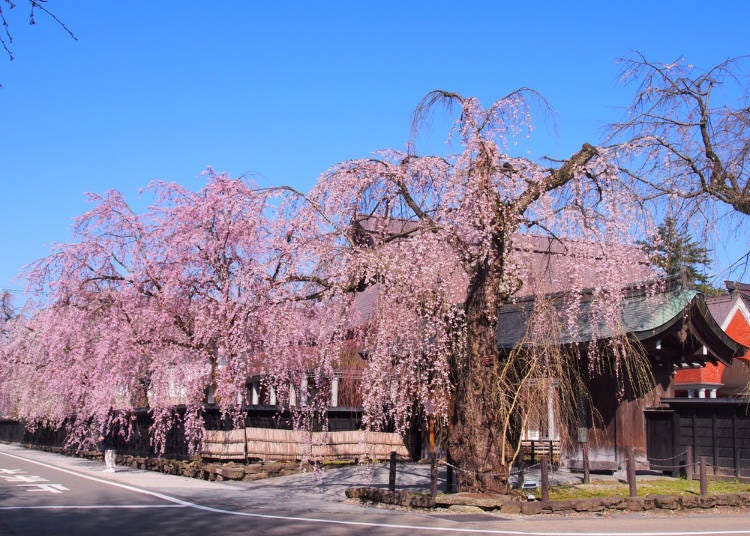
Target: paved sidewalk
{"type": "Point", "coordinates": [322, 487]}
{"type": "Point", "coordinates": [316, 491]}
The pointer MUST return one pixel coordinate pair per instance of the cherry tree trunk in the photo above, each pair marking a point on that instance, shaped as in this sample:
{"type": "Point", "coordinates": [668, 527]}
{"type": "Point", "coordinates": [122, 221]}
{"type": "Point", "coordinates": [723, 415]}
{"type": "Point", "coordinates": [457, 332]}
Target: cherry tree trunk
{"type": "Point", "coordinates": [476, 438]}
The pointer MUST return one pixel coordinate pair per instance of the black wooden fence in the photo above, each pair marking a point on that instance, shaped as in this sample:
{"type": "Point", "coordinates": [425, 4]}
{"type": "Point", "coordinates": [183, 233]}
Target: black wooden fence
{"type": "Point", "coordinates": [718, 429]}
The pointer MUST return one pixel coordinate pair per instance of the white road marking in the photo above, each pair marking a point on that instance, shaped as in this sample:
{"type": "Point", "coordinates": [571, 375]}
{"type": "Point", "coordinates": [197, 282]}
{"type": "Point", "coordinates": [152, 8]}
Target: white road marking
{"type": "Point", "coordinates": [369, 524]}
{"type": "Point", "coordinates": [51, 488]}
{"type": "Point", "coordinates": [24, 478]}
{"type": "Point", "coordinates": [10, 471]}
{"type": "Point", "coordinates": [93, 507]}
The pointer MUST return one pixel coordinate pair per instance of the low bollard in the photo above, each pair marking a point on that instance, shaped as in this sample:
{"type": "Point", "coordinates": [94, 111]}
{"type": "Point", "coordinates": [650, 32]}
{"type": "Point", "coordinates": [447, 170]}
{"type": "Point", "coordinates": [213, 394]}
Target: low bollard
{"type": "Point", "coordinates": [450, 486]}
{"type": "Point", "coordinates": [392, 472]}
{"type": "Point", "coordinates": [703, 477]}
{"type": "Point", "coordinates": [433, 476]}
{"type": "Point", "coordinates": [630, 465]}
{"type": "Point", "coordinates": [545, 477]}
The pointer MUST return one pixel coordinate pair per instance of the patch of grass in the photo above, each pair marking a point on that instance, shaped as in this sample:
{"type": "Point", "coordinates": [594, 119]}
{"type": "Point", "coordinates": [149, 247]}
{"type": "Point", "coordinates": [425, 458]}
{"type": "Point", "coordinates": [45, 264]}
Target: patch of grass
{"type": "Point", "coordinates": [651, 486]}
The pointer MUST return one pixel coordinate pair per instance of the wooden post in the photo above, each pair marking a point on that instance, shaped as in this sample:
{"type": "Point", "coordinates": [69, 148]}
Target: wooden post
{"type": "Point", "coordinates": [545, 477]}
{"type": "Point", "coordinates": [704, 479]}
{"type": "Point", "coordinates": [586, 472]}
{"type": "Point", "coordinates": [630, 465]}
{"type": "Point", "coordinates": [433, 458]}
{"type": "Point", "coordinates": [245, 447]}
{"type": "Point", "coordinates": [449, 483]}
{"type": "Point", "coordinates": [689, 463]}
{"type": "Point", "coordinates": [433, 476]}
{"type": "Point", "coordinates": [392, 472]}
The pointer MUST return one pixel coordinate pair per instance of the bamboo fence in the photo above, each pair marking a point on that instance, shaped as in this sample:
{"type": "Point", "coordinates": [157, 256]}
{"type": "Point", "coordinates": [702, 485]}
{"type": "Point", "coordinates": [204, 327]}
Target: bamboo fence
{"type": "Point", "coordinates": [273, 444]}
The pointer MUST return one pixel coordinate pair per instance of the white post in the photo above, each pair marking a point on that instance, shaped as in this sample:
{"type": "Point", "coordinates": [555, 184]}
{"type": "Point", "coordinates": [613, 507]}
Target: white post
{"type": "Point", "coordinates": [272, 396]}
{"type": "Point", "coordinates": [713, 393]}
{"type": "Point", "coordinates": [109, 460]}
{"type": "Point", "coordinates": [303, 391]}
{"type": "Point", "coordinates": [292, 395]}
{"type": "Point", "coordinates": [335, 391]}
{"type": "Point", "coordinates": [702, 393]}
{"type": "Point", "coordinates": [255, 396]}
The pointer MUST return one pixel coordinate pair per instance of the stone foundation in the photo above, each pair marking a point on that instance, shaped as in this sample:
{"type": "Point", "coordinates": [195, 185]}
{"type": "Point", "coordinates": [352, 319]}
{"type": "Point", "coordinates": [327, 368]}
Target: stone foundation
{"type": "Point", "coordinates": [510, 504]}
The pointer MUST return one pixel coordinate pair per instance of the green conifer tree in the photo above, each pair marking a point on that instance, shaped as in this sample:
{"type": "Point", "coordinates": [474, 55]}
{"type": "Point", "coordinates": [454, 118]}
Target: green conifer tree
{"type": "Point", "coordinates": [675, 251]}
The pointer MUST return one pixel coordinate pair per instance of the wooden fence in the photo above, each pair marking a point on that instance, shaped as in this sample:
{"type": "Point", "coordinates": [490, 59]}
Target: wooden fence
{"type": "Point", "coordinates": [274, 444]}
{"type": "Point", "coordinates": [532, 450]}
{"type": "Point", "coordinates": [717, 429]}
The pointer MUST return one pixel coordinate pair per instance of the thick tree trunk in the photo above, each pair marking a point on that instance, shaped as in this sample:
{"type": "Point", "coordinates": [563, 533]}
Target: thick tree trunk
{"type": "Point", "coordinates": [484, 429]}
{"type": "Point", "coordinates": [476, 440]}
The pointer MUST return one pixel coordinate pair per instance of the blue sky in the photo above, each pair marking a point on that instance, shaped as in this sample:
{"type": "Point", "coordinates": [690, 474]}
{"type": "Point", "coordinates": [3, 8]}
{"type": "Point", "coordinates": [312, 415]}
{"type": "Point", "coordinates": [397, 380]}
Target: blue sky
{"type": "Point", "coordinates": [280, 91]}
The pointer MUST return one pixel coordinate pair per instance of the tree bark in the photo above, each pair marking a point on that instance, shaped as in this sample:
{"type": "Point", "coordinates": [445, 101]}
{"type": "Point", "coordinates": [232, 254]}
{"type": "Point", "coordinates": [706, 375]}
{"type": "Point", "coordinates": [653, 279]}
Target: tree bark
{"type": "Point", "coordinates": [483, 433]}
{"type": "Point", "coordinates": [476, 439]}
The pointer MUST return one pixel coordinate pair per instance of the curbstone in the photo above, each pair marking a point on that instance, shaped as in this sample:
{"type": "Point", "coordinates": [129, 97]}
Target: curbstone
{"type": "Point", "coordinates": [354, 493]}
{"type": "Point", "coordinates": [465, 509]}
{"type": "Point", "coordinates": [486, 502]}
{"type": "Point", "coordinates": [532, 508]}
{"type": "Point", "coordinates": [561, 506]}
{"type": "Point", "coordinates": [511, 508]}
{"type": "Point", "coordinates": [666, 502]}
{"type": "Point", "coordinates": [232, 472]}
{"type": "Point", "coordinates": [635, 504]}
{"type": "Point", "coordinates": [272, 467]}
{"type": "Point", "coordinates": [254, 468]}
{"type": "Point", "coordinates": [588, 505]}
{"type": "Point", "coordinates": [615, 503]}
{"type": "Point", "coordinates": [255, 476]}
{"type": "Point", "coordinates": [474, 502]}
{"type": "Point", "coordinates": [420, 500]}
{"type": "Point", "coordinates": [689, 501]}
{"type": "Point", "coordinates": [727, 499]}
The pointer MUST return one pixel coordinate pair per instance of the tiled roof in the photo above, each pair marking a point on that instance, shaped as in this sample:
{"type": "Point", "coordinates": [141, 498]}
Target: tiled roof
{"type": "Point", "coordinates": [642, 311]}
{"type": "Point", "coordinates": [720, 306]}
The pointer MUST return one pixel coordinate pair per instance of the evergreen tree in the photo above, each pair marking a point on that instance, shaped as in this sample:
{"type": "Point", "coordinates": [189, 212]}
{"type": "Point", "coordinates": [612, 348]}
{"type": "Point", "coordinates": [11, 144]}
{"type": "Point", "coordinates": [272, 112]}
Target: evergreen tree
{"type": "Point", "coordinates": [675, 251]}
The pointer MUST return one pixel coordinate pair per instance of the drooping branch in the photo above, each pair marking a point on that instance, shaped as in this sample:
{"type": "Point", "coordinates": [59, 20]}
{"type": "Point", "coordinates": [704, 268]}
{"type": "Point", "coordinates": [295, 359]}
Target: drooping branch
{"type": "Point", "coordinates": [6, 36]}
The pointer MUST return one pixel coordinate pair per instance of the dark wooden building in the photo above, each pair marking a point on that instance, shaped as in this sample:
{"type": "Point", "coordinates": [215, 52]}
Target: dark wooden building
{"type": "Point", "coordinates": [670, 324]}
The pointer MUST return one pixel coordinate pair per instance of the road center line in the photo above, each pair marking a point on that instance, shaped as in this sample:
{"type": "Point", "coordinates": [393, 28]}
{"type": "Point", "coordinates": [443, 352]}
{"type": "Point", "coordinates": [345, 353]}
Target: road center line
{"type": "Point", "coordinates": [196, 506]}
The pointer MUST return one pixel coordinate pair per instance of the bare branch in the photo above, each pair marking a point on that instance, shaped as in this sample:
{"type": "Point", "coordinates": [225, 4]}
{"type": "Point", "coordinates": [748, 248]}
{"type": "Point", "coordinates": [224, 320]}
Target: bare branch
{"type": "Point", "coordinates": [691, 129]}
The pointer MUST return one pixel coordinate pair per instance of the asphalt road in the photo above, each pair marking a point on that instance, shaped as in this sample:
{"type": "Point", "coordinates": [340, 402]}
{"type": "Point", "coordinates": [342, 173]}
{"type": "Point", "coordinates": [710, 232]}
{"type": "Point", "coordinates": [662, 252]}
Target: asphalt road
{"type": "Point", "coordinates": [42, 493]}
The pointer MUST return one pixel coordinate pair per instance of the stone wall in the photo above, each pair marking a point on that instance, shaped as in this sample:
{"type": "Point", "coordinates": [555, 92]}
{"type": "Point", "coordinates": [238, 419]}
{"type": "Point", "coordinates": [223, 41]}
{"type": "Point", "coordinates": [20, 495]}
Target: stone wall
{"type": "Point", "coordinates": [197, 468]}
{"type": "Point", "coordinates": [508, 504]}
